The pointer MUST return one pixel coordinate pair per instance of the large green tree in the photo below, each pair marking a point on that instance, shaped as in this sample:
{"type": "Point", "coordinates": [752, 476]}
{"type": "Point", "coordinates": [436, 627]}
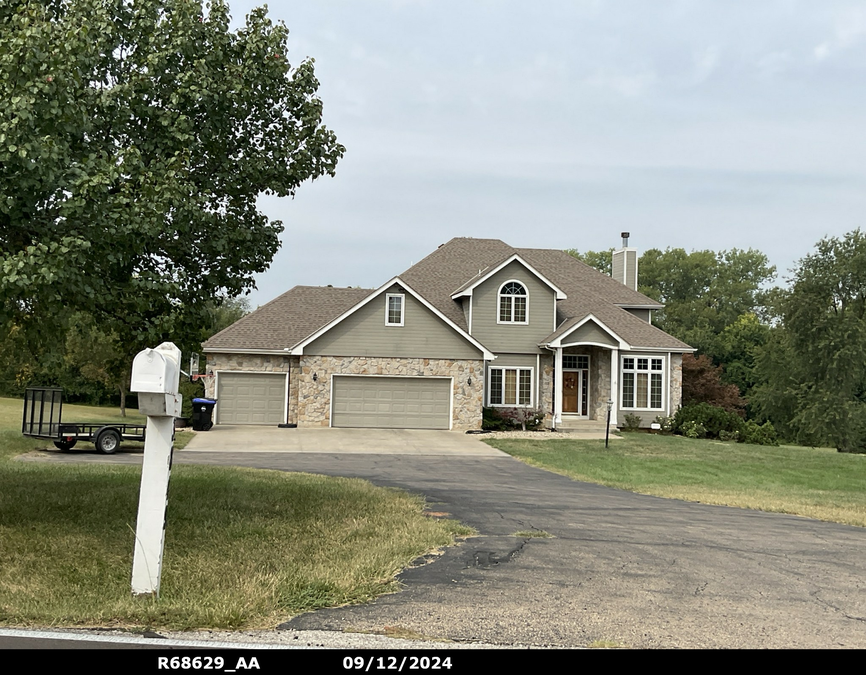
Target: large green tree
{"type": "Point", "coordinates": [813, 366]}
{"type": "Point", "coordinates": [135, 139]}
{"type": "Point", "coordinates": [704, 292]}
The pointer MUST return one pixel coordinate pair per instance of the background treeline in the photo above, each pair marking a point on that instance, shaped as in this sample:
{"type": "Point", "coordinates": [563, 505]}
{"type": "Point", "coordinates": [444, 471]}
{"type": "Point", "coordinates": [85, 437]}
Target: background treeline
{"type": "Point", "coordinates": [91, 364]}
{"type": "Point", "coordinates": [794, 356]}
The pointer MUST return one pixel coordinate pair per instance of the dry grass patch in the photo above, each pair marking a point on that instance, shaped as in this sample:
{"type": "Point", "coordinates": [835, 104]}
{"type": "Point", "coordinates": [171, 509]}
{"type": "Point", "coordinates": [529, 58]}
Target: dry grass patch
{"type": "Point", "coordinates": [244, 548]}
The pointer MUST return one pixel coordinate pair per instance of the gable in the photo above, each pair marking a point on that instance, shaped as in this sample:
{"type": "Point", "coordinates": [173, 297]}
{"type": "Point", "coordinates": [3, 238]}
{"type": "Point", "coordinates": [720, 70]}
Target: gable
{"type": "Point", "coordinates": [364, 332]}
{"type": "Point", "coordinates": [287, 319]}
{"type": "Point", "coordinates": [590, 333]}
{"type": "Point", "coordinates": [512, 337]}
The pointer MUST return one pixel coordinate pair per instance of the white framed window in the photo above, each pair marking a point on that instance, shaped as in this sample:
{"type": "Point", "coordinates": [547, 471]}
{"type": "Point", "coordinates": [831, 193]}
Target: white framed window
{"type": "Point", "coordinates": [509, 387]}
{"type": "Point", "coordinates": [394, 304]}
{"type": "Point", "coordinates": [575, 362]}
{"type": "Point", "coordinates": [513, 303]}
{"type": "Point", "coordinates": [643, 379]}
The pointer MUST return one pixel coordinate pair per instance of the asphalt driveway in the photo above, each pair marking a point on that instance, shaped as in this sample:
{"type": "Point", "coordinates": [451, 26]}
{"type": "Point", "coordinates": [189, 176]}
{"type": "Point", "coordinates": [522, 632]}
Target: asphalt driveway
{"type": "Point", "coordinates": [620, 568]}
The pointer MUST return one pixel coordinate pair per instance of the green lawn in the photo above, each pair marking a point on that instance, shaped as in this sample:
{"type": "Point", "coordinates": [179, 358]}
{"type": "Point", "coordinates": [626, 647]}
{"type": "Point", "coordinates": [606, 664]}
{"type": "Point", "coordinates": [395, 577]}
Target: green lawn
{"type": "Point", "coordinates": [814, 482]}
{"type": "Point", "coordinates": [244, 548]}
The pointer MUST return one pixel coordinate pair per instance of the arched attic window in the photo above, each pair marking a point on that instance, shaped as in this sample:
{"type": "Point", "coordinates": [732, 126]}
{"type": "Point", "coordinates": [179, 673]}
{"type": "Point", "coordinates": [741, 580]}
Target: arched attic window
{"type": "Point", "coordinates": [512, 303]}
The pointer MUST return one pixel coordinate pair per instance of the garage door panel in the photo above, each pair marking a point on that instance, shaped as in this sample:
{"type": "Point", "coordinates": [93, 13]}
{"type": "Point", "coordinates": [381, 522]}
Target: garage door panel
{"type": "Point", "coordinates": [391, 402]}
{"type": "Point", "coordinates": [251, 398]}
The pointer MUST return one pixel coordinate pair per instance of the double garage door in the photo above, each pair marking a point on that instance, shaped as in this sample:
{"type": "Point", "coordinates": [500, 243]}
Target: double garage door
{"type": "Point", "coordinates": [391, 402]}
{"type": "Point", "coordinates": [358, 401]}
{"type": "Point", "coordinates": [251, 398]}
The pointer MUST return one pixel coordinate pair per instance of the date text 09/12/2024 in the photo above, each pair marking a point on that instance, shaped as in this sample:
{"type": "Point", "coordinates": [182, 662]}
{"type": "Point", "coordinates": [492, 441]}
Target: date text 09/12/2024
{"type": "Point", "coordinates": [356, 663]}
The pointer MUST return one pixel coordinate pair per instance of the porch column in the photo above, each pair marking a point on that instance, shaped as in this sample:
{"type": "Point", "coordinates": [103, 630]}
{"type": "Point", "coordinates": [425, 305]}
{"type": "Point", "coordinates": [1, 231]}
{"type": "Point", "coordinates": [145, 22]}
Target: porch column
{"type": "Point", "coordinates": [614, 385]}
{"type": "Point", "coordinates": [557, 387]}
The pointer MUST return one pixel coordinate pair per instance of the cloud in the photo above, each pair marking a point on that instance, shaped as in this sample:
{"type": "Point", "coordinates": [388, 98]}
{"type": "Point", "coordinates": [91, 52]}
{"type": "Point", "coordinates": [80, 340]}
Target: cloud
{"type": "Point", "coordinates": [850, 29]}
{"type": "Point", "coordinates": [628, 84]}
{"type": "Point", "coordinates": [705, 63]}
{"type": "Point", "coordinates": [774, 63]}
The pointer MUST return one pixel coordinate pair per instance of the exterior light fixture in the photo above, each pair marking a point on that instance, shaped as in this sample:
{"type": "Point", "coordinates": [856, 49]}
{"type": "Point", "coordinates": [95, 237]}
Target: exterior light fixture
{"type": "Point", "coordinates": [315, 377]}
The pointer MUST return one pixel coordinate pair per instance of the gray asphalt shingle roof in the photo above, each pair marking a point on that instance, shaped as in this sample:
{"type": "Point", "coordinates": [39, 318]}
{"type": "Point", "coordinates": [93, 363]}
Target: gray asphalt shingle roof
{"type": "Point", "coordinates": [288, 319]}
{"type": "Point", "coordinates": [298, 313]}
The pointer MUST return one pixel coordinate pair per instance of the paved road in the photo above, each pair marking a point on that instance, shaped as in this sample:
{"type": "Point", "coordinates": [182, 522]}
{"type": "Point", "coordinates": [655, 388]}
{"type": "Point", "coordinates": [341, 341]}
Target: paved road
{"type": "Point", "coordinates": [621, 568]}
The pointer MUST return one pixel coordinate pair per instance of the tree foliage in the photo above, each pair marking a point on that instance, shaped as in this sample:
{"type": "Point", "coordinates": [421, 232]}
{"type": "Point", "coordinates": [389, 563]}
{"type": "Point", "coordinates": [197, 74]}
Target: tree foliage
{"type": "Point", "coordinates": [717, 302]}
{"type": "Point", "coordinates": [704, 292]}
{"type": "Point", "coordinates": [600, 260]}
{"type": "Point", "coordinates": [702, 383]}
{"type": "Point", "coordinates": [814, 365]}
{"type": "Point", "coordinates": [135, 138]}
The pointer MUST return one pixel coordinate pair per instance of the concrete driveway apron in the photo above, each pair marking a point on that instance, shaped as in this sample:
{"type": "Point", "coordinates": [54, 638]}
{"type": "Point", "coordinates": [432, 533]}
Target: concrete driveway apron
{"type": "Point", "coordinates": [244, 439]}
{"type": "Point", "coordinates": [619, 568]}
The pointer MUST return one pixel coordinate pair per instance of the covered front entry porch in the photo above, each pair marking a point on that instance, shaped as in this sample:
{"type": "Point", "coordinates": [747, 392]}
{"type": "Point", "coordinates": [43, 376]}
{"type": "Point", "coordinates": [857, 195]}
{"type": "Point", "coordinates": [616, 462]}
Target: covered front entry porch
{"type": "Point", "coordinates": [583, 384]}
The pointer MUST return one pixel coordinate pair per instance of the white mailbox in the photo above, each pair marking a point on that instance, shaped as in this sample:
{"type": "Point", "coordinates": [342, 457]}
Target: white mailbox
{"type": "Point", "coordinates": [156, 379]}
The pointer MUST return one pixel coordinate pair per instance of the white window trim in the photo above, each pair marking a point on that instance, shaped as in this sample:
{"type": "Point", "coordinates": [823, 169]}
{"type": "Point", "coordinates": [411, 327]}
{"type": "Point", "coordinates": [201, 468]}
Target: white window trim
{"type": "Point", "coordinates": [402, 297]}
{"type": "Point", "coordinates": [663, 372]}
{"type": "Point", "coordinates": [490, 370]}
{"type": "Point", "coordinates": [499, 297]}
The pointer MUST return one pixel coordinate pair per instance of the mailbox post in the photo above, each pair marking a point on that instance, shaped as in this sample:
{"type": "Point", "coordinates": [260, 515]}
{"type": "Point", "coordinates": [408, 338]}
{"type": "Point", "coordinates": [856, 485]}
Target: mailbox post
{"type": "Point", "coordinates": [156, 379]}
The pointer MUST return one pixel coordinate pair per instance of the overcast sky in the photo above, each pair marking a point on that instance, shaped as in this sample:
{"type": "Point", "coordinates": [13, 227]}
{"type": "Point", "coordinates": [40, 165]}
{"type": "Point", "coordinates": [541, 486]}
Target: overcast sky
{"type": "Point", "coordinates": [560, 124]}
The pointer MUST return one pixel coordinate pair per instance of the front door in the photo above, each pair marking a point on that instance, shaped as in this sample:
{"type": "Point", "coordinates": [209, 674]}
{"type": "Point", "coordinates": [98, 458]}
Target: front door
{"type": "Point", "coordinates": [575, 384]}
{"type": "Point", "coordinates": [571, 391]}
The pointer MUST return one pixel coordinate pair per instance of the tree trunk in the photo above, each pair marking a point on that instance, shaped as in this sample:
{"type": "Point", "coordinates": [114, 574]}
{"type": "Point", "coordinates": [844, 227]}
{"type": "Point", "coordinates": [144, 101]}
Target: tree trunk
{"type": "Point", "coordinates": [122, 388]}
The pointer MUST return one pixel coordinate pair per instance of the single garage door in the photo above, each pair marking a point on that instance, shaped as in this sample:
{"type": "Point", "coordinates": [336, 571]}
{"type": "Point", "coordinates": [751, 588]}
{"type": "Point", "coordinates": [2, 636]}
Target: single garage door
{"type": "Point", "coordinates": [391, 402]}
{"type": "Point", "coordinates": [251, 398]}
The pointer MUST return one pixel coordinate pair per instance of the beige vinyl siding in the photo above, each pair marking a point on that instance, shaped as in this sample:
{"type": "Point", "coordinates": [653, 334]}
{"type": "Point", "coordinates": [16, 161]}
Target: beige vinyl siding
{"type": "Point", "coordinates": [422, 335]}
{"type": "Point", "coordinates": [515, 360]}
{"type": "Point", "coordinates": [590, 332]}
{"type": "Point", "coordinates": [647, 417]}
{"type": "Point", "coordinates": [508, 337]}
{"type": "Point", "coordinates": [642, 314]}
{"type": "Point", "coordinates": [624, 267]}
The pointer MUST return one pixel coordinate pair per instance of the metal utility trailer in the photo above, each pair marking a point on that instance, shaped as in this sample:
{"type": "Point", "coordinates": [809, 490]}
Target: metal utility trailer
{"type": "Point", "coordinates": [43, 408]}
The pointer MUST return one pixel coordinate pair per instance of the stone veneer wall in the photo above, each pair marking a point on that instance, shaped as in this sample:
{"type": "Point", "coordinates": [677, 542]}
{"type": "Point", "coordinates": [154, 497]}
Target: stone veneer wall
{"type": "Point", "coordinates": [676, 382]}
{"type": "Point", "coordinates": [600, 373]}
{"type": "Point", "coordinates": [257, 363]}
{"type": "Point", "coordinates": [314, 398]}
{"type": "Point", "coordinates": [548, 381]}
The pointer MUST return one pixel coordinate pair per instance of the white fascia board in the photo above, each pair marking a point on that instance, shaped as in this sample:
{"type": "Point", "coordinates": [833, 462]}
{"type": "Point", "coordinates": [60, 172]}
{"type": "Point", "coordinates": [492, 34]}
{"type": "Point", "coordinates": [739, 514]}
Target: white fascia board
{"type": "Point", "coordinates": [633, 306]}
{"type": "Point", "coordinates": [267, 352]}
{"type": "Point", "coordinates": [298, 349]}
{"type": "Point", "coordinates": [589, 317]}
{"type": "Point", "coordinates": [672, 350]}
{"type": "Point", "coordinates": [467, 292]}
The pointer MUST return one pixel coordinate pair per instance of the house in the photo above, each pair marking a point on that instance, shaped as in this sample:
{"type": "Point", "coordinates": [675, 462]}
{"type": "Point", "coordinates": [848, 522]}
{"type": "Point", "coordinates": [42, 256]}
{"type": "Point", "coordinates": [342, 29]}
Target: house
{"type": "Point", "coordinates": [476, 323]}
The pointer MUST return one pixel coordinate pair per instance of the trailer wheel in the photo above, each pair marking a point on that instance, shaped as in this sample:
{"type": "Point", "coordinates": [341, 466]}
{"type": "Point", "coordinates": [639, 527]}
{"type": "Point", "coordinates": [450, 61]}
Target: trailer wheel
{"type": "Point", "coordinates": [107, 441]}
{"type": "Point", "coordinates": [66, 446]}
